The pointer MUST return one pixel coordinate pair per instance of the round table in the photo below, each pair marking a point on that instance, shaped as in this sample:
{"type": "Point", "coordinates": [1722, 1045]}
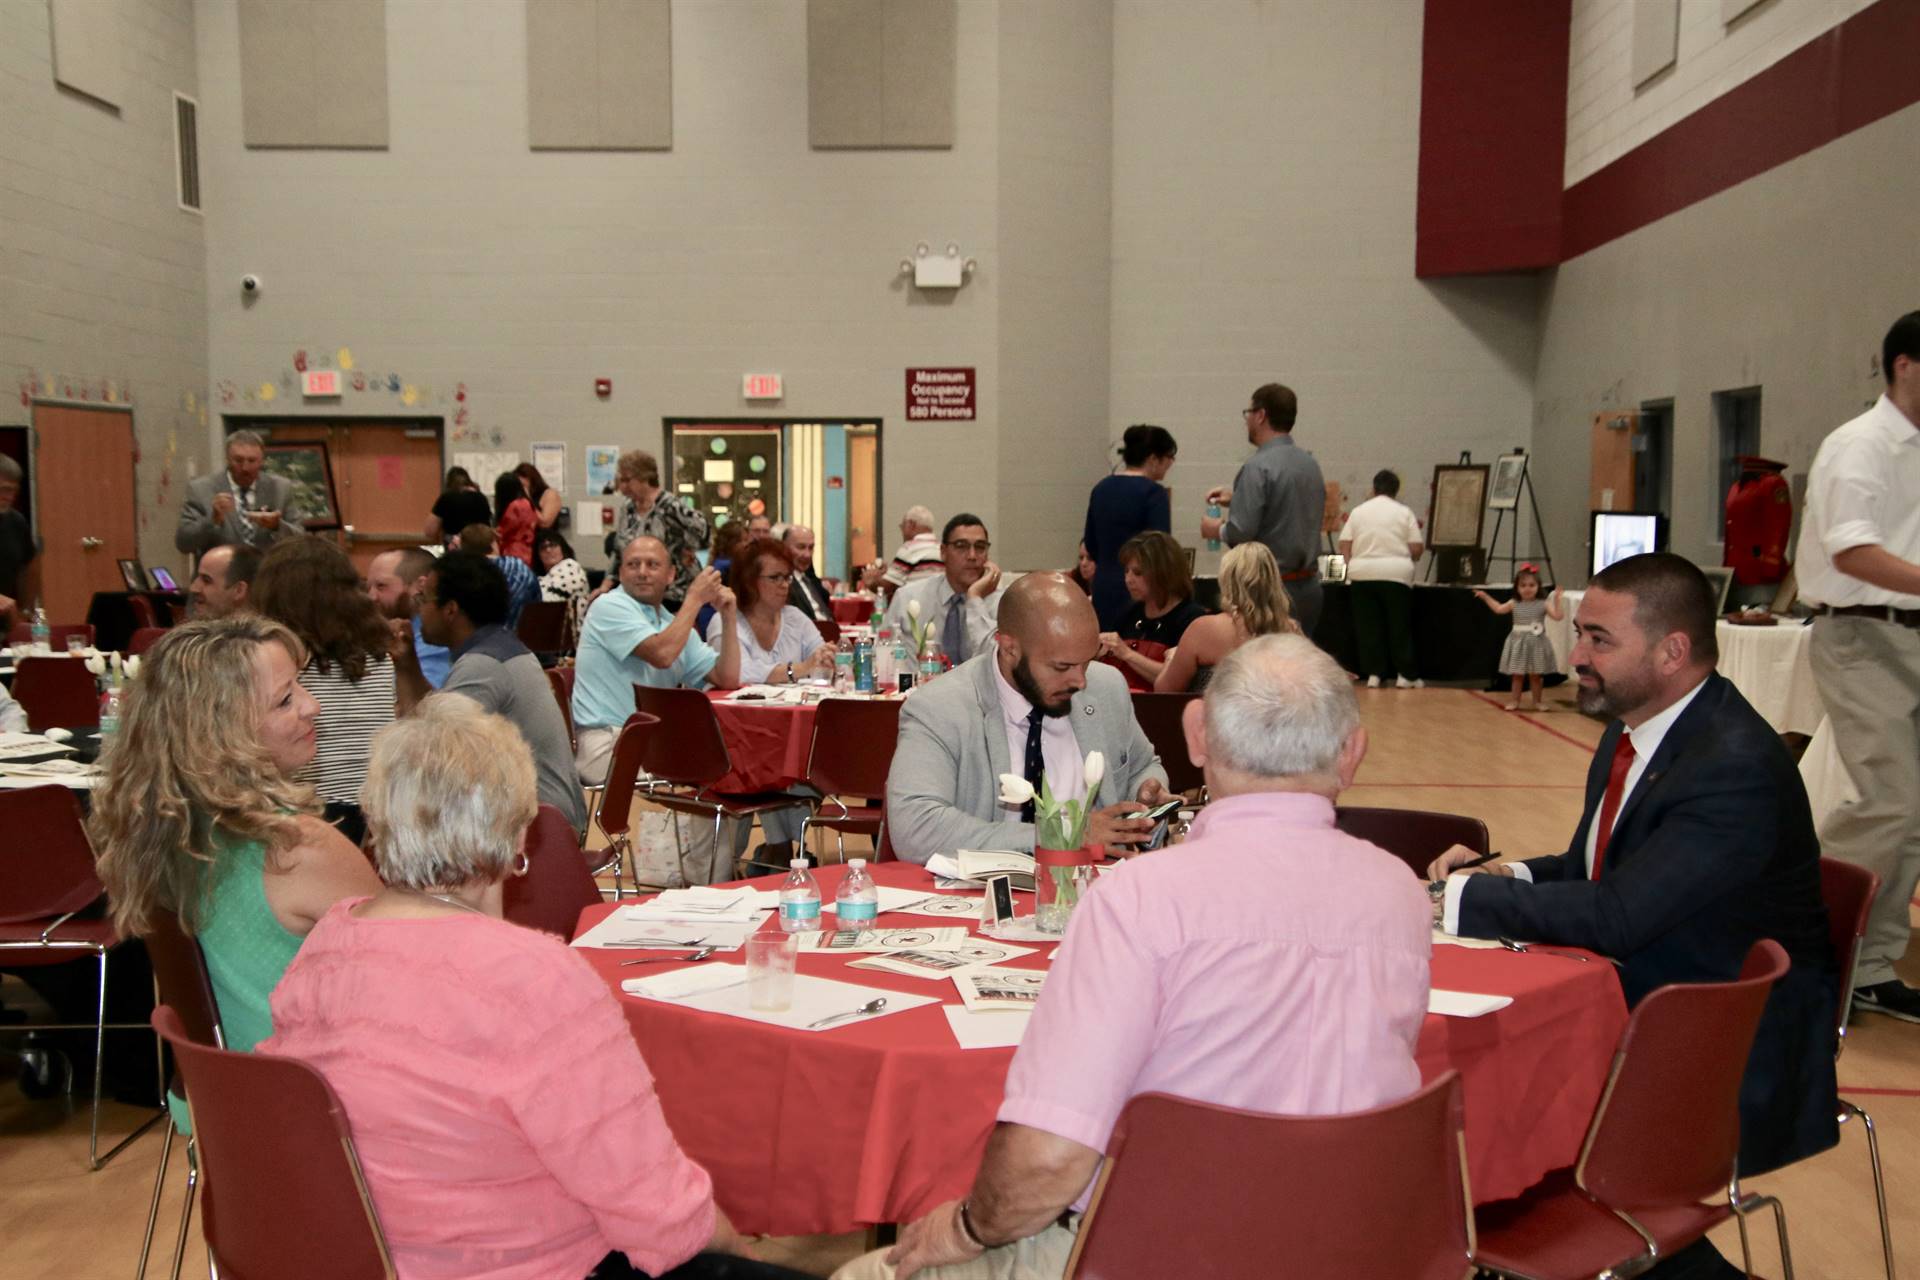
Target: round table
{"type": "Point", "coordinates": [816, 1132]}
{"type": "Point", "coordinates": [853, 610]}
{"type": "Point", "coordinates": [768, 744]}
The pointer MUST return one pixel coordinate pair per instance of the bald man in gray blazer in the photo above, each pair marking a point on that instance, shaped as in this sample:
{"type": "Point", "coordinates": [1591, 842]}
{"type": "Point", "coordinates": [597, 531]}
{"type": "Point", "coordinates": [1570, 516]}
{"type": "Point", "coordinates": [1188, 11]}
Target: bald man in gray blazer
{"type": "Point", "coordinates": [238, 505]}
{"type": "Point", "coordinates": [1035, 694]}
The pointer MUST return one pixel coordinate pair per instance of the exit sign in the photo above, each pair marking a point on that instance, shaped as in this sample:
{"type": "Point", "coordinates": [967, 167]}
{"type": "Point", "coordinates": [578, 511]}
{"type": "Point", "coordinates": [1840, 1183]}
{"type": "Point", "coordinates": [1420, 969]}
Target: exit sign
{"type": "Point", "coordinates": [320, 382]}
{"type": "Point", "coordinates": [762, 386]}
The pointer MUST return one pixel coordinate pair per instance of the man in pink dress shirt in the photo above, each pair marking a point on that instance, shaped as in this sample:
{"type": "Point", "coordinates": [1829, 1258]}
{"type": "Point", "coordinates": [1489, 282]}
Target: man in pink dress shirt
{"type": "Point", "coordinates": [1270, 963]}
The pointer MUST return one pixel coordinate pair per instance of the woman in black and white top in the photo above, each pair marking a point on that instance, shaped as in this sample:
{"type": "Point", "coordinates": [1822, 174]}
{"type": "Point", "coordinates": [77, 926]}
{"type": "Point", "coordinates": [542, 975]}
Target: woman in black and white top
{"type": "Point", "coordinates": [562, 580]}
{"type": "Point", "coordinates": [310, 586]}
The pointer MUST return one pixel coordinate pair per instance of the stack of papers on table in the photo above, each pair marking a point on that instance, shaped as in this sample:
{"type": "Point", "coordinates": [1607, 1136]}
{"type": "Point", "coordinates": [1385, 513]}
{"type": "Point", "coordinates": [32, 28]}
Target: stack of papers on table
{"type": "Point", "coordinates": [1000, 990]}
{"type": "Point", "coordinates": [881, 940]}
{"type": "Point", "coordinates": [969, 867]}
{"type": "Point", "coordinates": [669, 935]}
{"type": "Point", "coordinates": [66, 773]}
{"type": "Point", "coordinates": [927, 962]}
{"type": "Point", "coordinates": [1464, 1004]}
{"type": "Point", "coordinates": [722, 988]}
{"type": "Point", "coordinates": [892, 899]}
{"type": "Point", "coordinates": [702, 904]}
{"type": "Point", "coordinates": [987, 1030]}
{"type": "Point", "coordinates": [16, 746]}
{"type": "Point", "coordinates": [1442, 938]}
{"type": "Point", "coordinates": [773, 694]}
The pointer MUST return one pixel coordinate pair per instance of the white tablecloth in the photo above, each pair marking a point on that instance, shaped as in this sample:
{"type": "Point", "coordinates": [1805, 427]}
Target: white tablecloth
{"type": "Point", "coordinates": [1769, 666]}
{"type": "Point", "coordinates": [1825, 777]}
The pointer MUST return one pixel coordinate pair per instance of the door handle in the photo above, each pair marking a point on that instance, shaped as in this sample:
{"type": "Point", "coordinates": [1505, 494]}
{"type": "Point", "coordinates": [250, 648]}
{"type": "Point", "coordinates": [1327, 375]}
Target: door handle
{"type": "Point", "coordinates": [89, 544]}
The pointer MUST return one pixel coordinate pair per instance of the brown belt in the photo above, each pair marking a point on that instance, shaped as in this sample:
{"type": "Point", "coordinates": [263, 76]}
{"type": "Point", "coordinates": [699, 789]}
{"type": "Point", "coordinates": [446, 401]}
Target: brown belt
{"type": "Point", "coordinates": [1878, 612]}
{"type": "Point", "coordinates": [1299, 575]}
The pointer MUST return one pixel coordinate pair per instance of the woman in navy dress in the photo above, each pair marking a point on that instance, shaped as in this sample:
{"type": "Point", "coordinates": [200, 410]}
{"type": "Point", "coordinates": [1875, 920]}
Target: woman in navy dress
{"type": "Point", "coordinates": [1131, 501]}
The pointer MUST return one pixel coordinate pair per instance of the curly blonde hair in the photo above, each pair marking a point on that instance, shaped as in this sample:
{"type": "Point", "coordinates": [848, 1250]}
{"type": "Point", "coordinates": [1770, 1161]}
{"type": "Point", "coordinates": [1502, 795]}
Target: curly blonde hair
{"type": "Point", "coordinates": [187, 772]}
{"type": "Point", "coordinates": [1250, 590]}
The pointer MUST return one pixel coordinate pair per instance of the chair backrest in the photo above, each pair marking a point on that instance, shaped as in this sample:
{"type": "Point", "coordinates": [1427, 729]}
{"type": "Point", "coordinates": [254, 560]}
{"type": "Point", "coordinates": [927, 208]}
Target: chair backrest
{"type": "Point", "coordinates": [852, 751]}
{"type": "Point", "coordinates": [1667, 1130]}
{"type": "Point", "coordinates": [1415, 836]}
{"type": "Point", "coordinates": [557, 884]}
{"type": "Point", "coordinates": [142, 610]}
{"type": "Point", "coordinates": [1848, 892]}
{"type": "Point", "coordinates": [46, 860]}
{"type": "Point", "coordinates": [57, 633]}
{"type": "Point", "coordinates": [1192, 1189]}
{"type": "Point", "coordinates": [143, 639]}
{"type": "Point", "coordinates": [1159, 716]}
{"type": "Point", "coordinates": [180, 971]}
{"type": "Point", "coordinates": [829, 629]}
{"type": "Point", "coordinates": [543, 626]}
{"type": "Point", "coordinates": [686, 749]}
{"type": "Point", "coordinates": [284, 1195]}
{"type": "Point", "coordinates": [561, 680]}
{"type": "Point", "coordinates": [57, 693]}
{"type": "Point", "coordinates": [615, 815]}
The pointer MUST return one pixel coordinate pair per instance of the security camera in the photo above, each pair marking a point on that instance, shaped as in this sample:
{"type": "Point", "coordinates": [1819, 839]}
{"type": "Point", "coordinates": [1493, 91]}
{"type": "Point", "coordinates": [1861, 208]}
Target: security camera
{"type": "Point", "coordinates": [249, 285]}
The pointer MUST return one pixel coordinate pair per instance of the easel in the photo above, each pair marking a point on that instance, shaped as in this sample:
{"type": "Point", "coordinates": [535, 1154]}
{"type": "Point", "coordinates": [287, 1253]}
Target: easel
{"type": "Point", "coordinates": [1513, 539]}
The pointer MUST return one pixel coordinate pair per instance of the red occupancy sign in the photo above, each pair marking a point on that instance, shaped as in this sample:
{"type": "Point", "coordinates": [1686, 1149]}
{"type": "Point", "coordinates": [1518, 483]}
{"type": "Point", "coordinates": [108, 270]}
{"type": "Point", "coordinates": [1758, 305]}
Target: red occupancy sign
{"type": "Point", "coordinates": [940, 395]}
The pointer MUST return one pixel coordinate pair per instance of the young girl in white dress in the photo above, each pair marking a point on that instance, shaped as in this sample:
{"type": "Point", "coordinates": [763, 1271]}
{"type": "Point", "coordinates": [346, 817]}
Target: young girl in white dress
{"type": "Point", "coordinates": [1528, 654]}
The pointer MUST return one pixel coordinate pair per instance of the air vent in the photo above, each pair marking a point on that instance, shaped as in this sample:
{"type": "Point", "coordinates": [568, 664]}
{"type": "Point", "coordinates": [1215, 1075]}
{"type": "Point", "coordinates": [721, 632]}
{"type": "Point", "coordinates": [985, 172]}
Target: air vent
{"type": "Point", "coordinates": [186, 151]}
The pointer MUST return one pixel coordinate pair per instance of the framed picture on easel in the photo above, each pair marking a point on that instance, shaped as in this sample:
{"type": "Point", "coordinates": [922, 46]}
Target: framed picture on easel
{"type": "Point", "coordinates": [1459, 505]}
{"type": "Point", "coordinates": [309, 468]}
{"type": "Point", "coordinates": [1508, 471]}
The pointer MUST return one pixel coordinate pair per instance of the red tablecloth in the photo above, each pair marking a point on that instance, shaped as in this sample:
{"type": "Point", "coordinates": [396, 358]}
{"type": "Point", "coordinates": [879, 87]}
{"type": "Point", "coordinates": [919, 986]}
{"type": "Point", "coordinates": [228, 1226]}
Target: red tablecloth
{"type": "Point", "coordinates": [852, 610]}
{"type": "Point", "coordinates": [813, 1132]}
{"type": "Point", "coordinates": [768, 745]}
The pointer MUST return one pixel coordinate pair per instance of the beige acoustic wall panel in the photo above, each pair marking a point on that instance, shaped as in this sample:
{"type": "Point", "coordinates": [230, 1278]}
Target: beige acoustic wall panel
{"type": "Point", "coordinates": [313, 73]}
{"type": "Point", "coordinates": [1656, 38]}
{"type": "Point", "coordinates": [89, 49]}
{"type": "Point", "coordinates": [600, 75]}
{"type": "Point", "coordinates": [880, 73]}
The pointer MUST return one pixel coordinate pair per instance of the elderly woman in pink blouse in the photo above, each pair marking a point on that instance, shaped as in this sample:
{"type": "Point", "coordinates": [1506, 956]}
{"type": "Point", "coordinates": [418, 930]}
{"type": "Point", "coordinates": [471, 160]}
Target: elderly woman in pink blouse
{"type": "Point", "coordinates": [507, 1124]}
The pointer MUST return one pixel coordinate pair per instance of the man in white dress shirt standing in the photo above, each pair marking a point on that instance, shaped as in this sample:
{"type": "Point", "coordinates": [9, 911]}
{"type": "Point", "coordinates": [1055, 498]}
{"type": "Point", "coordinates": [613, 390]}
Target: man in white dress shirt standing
{"type": "Point", "coordinates": [960, 604]}
{"type": "Point", "coordinates": [1859, 567]}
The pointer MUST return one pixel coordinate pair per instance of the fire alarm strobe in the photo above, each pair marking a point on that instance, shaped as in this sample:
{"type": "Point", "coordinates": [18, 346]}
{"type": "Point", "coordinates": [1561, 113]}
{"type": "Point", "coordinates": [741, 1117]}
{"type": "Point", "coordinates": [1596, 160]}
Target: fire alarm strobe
{"type": "Point", "coordinates": [603, 387]}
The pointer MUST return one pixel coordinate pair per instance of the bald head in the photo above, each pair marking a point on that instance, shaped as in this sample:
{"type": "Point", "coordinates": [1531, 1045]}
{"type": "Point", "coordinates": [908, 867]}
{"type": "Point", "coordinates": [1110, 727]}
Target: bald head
{"type": "Point", "coordinates": [1048, 637]}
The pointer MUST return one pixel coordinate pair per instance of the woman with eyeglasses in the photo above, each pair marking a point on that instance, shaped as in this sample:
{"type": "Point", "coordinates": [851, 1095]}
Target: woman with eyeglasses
{"type": "Point", "coordinates": [778, 643]}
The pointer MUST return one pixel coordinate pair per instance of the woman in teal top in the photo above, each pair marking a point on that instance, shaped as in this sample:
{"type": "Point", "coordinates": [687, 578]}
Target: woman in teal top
{"type": "Point", "coordinates": [198, 814]}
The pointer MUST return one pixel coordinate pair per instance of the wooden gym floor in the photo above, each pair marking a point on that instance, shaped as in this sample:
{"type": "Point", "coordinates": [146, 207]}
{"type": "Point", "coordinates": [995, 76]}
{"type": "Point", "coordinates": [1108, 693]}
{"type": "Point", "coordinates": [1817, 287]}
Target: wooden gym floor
{"type": "Point", "coordinates": [1449, 749]}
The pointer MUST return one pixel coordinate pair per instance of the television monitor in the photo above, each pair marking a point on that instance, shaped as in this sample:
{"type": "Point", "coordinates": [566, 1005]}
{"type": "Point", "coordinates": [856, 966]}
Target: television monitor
{"type": "Point", "coordinates": [162, 580]}
{"type": "Point", "coordinates": [1619, 534]}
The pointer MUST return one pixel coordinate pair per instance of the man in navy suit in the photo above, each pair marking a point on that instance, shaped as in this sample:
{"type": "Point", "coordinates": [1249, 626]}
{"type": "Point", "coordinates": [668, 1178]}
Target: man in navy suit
{"type": "Point", "coordinates": [1696, 842]}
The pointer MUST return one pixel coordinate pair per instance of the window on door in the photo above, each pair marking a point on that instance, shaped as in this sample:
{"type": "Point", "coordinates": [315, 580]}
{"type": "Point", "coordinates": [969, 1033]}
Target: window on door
{"type": "Point", "coordinates": [1736, 427]}
{"type": "Point", "coordinates": [1653, 458]}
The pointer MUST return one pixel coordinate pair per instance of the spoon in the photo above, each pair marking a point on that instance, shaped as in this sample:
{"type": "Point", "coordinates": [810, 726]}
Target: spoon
{"type": "Point", "coordinates": [870, 1007]}
{"type": "Point", "coordinates": [1524, 947]}
{"type": "Point", "coordinates": [701, 954]}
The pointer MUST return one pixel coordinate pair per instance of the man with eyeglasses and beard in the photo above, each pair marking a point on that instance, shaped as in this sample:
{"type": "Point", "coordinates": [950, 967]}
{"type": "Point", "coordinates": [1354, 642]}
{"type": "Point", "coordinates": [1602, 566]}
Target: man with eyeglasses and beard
{"type": "Point", "coordinates": [1034, 702]}
{"type": "Point", "coordinates": [1696, 842]}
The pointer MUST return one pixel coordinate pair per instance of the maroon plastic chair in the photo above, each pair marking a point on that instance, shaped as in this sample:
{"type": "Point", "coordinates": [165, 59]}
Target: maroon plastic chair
{"type": "Point", "coordinates": [829, 629]}
{"type": "Point", "coordinates": [1415, 836]}
{"type": "Point", "coordinates": [1848, 892]}
{"type": "Point", "coordinates": [57, 693]}
{"type": "Point", "coordinates": [295, 1207]}
{"type": "Point", "coordinates": [851, 755]}
{"type": "Point", "coordinates": [22, 633]}
{"type": "Point", "coordinates": [544, 626]}
{"type": "Point", "coordinates": [1159, 716]}
{"type": "Point", "coordinates": [1663, 1140]}
{"type": "Point", "coordinates": [1193, 1189]}
{"type": "Point", "coordinates": [143, 612]}
{"type": "Point", "coordinates": [143, 639]}
{"type": "Point", "coordinates": [557, 884]}
{"type": "Point", "coordinates": [46, 880]}
{"type": "Point", "coordinates": [180, 974]}
{"type": "Point", "coordinates": [615, 815]}
{"type": "Point", "coordinates": [686, 754]}
{"type": "Point", "coordinates": [560, 679]}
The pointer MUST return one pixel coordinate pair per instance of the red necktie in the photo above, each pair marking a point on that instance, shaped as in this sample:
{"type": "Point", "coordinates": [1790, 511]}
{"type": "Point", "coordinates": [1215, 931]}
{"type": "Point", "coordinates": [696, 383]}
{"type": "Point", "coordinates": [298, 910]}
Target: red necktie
{"type": "Point", "coordinates": [1610, 803]}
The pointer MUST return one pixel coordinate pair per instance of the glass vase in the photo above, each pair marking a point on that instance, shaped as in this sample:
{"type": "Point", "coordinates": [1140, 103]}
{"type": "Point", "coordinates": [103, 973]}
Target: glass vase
{"type": "Point", "coordinates": [1060, 878]}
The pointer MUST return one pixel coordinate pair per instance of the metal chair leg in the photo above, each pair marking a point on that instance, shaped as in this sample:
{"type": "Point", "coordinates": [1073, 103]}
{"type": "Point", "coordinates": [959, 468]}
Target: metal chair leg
{"type": "Point", "coordinates": [186, 1209]}
{"type": "Point", "coordinates": [1879, 1180]}
{"type": "Point", "coordinates": [153, 1206]}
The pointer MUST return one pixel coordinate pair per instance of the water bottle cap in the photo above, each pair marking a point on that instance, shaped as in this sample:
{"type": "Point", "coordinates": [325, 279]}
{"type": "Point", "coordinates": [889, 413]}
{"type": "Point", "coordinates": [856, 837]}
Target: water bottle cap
{"type": "Point", "coordinates": [798, 863]}
{"type": "Point", "coordinates": [856, 862]}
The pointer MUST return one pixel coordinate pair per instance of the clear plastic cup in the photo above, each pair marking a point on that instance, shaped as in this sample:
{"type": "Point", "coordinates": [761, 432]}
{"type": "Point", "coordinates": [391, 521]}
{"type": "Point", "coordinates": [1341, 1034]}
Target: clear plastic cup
{"type": "Point", "coordinates": [76, 644]}
{"type": "Point", "coordinates": [770, 964]}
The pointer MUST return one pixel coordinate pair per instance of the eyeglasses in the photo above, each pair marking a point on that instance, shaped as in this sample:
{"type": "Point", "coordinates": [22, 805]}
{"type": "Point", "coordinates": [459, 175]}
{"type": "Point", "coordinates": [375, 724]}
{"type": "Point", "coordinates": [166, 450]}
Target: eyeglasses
{"type": "Point", "coordinates": [964, 547]}
{"type": "Point", "coordinates": [776, 577]}
{"type": "Point", "coordinates": [1248, 413]}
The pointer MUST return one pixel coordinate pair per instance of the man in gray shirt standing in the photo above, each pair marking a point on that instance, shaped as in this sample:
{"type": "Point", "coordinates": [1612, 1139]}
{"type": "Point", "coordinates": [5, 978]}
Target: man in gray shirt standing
{"type": "Point", "coordinates": [1278, 498]}
{"type": "Point", "coordinates": [463, 605]}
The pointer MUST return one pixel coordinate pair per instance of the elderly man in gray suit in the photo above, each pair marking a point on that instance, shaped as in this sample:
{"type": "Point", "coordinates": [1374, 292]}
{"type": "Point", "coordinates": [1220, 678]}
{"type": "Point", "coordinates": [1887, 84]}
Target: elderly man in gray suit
{"type": "Point", "coordinates": [238, 506]}
{"type": "Point", "coordinates": [1035, 701]}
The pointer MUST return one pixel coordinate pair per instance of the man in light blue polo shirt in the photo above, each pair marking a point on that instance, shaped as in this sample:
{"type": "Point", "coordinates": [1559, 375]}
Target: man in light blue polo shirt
{"type": "Point", "coordinates": [630, 638]}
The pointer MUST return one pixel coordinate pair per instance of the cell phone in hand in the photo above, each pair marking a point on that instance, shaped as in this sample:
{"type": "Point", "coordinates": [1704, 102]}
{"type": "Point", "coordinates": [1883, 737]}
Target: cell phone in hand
{"type": "Point", "coordinates": [1159, 812]}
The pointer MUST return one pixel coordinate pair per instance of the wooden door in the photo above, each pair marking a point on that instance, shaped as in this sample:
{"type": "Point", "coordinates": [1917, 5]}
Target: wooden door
{"type": "Point", "coordinates": [386, 476]}
{"type": "Point", "coordinates": [863, 500]}
{"type": "Point", "coordinates": [1610, 479]}
{"type": "Point", "coordinates": [83, 494]}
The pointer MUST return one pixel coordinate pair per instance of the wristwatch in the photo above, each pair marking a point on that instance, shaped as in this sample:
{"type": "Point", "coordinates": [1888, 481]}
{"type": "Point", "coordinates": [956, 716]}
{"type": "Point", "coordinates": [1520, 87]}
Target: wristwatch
{"type": "Point", "coordinates": [789, 673]}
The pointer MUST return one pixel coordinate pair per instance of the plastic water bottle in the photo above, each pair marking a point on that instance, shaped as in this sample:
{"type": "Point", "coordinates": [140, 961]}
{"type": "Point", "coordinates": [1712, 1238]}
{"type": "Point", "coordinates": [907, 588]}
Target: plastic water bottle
{"type": "Point", "coordinates": [799, 899]}
{"type": "Point", "coordinates": [877, 621]}
{"type": "Point", "coordinates": [902, 657]}
{"type": "Point", "coordinates": [863, 667]}
{"type": "Point", "coordinates": [929, 666]}
{"type": "Point", "coordinates": [857, 901]}
{"type": "Point", "coordinates": [42, 634]}
{"type": "Point", "coordinates": [884, 665]}
{"type": "Point", "coordinates": [110, 712]}
{"type": "Point", "coordinates": [1213, 513]}
{"type": "Point", "coordinates": [843, 666]}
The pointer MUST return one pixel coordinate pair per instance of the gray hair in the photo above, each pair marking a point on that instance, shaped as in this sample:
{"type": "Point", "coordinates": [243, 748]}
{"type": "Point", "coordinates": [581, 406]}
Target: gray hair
{"type": "Point", "coordinates": [1279, 707]}
{"type": "Point", "coordinates": [921, 516]}
{"type": "Point", "coordinates": [244, 437]}
{"type": "Point", "coordinates": [9, 469]}
{"type": "Point", "coordinates": [449, 796]}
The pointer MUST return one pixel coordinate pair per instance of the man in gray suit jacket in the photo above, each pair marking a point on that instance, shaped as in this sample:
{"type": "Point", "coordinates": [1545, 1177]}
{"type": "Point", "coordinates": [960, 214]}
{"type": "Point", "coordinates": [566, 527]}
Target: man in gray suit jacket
{"type": "Point", "coordinates": [238, 505]}
{"type": "Point", "coordinates": [1034, 700]}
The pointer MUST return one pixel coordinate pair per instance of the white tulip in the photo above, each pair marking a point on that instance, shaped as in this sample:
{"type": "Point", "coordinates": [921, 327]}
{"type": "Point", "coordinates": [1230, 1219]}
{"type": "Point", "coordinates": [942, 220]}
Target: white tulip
{"type": "Point", "coordinates": [133, 667]}
{"type": "Point", "coordinates": [97, 665]}
{"type": "Point", "coordinates": [913, 611]}
{"type": "Point", "coordinates": [1015, 789]}
{"type": "Point", "coordinates": [1096, 769]}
